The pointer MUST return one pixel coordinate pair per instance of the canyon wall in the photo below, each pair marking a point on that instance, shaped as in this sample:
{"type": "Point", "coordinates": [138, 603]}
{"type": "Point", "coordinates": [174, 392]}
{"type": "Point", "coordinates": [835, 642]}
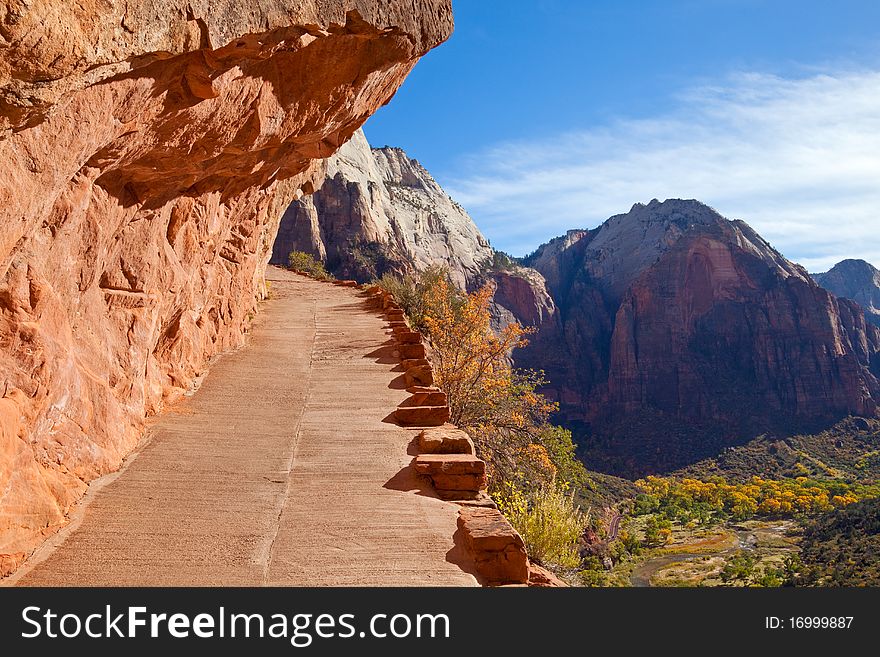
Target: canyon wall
{"type": "Point", "coordinates": [380, 211]}
{"type": "Point", "coordinates": [149, 150]}
{"type": "Point", "coordinates": [679, 332]}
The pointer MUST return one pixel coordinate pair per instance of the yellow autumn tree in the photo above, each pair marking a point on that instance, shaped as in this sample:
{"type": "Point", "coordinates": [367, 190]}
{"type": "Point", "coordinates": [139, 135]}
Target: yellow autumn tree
{"type": "Point", "coordinates": [498, 404]}
{"type": "Point", "coordinates": [757, 497]}
{"type": "Point", "coordinates": [533, 470]}
{"type": "Point", "coordinates": [471, 360]}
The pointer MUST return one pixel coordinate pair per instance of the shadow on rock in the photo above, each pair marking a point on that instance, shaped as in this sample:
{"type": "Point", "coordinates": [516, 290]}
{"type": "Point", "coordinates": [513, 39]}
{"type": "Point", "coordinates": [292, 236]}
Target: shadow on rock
{"type": "Point", "coordinates": [461, 556]}
{"type": "Point", "coordinates": [391, 418]}
{"type": "Point", "coordinates": [407, 480]}
{"type": "Point", "coordinates": [398, 382]}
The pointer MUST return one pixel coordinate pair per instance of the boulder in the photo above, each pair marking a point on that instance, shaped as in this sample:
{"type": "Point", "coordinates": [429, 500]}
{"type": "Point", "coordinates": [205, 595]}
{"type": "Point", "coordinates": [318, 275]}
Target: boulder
{"type": "Point", "coordinates": [497, 549]}
{"type": "Point", "coordinates": [540, 577]}
{"type": "Point", "coordinates": [447, 439]}
{"type": "Point", "coordinates": [421, 416]}
{"type": "Point", "coordinates": [420, 375]}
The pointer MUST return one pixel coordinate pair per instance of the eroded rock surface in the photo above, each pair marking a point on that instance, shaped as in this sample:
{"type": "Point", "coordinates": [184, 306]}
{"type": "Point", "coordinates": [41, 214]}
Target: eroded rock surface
{"type": "Point", "coordinates": [498, 550]}
{"type": "Point", "coordinates": [380, 211]}
{"type": "Point", "coordinates": [149, 151]}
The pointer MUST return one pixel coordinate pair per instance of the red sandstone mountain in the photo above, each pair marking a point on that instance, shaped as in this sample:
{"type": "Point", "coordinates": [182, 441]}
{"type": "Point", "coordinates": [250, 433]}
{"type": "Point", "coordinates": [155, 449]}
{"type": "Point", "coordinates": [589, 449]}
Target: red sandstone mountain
{"type": "Point", "coordinates": [678, 332]}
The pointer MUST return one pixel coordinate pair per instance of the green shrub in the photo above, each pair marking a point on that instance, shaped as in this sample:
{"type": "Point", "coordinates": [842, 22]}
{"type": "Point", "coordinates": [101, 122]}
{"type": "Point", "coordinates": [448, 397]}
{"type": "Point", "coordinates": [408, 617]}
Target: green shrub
{"type": "Point", "coordinates": [593, 574]}
{"type": "Point", "coordinates": [739, 567]}
{"type": "Point", "coordinates": [411, 292]}
{"type": "Point", "coordinates": [502, 262]}
{"type": "Point", "coordinates": [306, 262]}
{"type": "Point", "coordinates": [570, 471]}
{"type": "Point", "coordinates": [548, 520]}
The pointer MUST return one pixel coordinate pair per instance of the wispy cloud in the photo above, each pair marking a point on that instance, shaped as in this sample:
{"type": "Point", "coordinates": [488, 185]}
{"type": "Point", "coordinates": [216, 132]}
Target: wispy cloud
{"type": "Point", "coordinates": [799, 159]}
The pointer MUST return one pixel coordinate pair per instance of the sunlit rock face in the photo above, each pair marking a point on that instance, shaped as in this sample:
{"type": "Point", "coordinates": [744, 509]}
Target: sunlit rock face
{"type": "Point", "coordinates": [671, 311]}
{"type": "Point", "coordinates": [380, 211]}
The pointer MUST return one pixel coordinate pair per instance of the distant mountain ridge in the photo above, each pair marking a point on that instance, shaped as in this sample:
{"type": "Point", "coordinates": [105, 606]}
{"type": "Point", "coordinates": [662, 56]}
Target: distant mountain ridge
{"type": "Point", "coordinates": [857, 280]}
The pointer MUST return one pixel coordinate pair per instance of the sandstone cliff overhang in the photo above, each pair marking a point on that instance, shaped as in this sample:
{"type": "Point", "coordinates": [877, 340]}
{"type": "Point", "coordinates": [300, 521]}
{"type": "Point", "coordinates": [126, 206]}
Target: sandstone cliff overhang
{"type": "Point", "coordinates": [149, 151]}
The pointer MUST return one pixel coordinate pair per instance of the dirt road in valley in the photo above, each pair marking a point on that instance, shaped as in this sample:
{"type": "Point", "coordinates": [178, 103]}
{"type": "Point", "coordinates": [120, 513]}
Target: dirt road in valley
{"type": "Point", "coordinates": [279, 470]}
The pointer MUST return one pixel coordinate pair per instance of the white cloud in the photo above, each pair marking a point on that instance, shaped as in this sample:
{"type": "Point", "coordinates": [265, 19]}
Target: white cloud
{"type": "Point", "coordinates": [798, 159]}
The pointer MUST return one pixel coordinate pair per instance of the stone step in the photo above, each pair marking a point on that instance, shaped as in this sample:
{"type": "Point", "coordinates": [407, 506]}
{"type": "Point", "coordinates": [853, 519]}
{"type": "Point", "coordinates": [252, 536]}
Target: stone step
{"type": "Point", "coordinates": [480, 499]}
{"type": "Point", "coordinates": [447, 439]}
{"type": "Point", "coordinates": [498, 550]}
{"type": "Point", "coordinates": [450, 464]}
{"type": "Point", "coordinates": [456, 487]}
{"type": "Point", "coordinates": [414, 389]}
{"type": "Point", "coordinates": [411, 351]}
{"type": "Point", "coordinates": [422, 416]}
{"type": "Point", "coordinates": [408, 337]}
{"type": "Point", "coordinates": [418, 375]}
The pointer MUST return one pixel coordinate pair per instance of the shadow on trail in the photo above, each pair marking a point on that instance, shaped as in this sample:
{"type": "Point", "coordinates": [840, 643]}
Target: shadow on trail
{"type": "Point", "coordinates": [384, 355]}
{"type": "Point", "coordinates": [407, 480]}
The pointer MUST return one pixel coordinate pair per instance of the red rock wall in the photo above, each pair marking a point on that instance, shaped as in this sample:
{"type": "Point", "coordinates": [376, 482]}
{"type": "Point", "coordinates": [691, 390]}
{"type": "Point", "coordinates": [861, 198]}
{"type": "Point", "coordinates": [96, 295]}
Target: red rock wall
{"type": "Point", "coordinates": [149, 151]}
{"type": "Point", "coordinates": [708, 334]}
{"type": "Point", "coordinates": [712, 341]}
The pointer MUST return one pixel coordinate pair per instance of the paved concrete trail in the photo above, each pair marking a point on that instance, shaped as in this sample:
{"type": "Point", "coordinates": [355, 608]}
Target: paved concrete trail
{"type": "Point", "coordinates": [279, 470]}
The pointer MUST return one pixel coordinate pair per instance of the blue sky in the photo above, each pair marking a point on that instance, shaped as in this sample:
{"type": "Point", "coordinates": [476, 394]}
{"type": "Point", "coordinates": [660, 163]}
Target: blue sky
{"type": "Point", "coordinates": [553, 114]}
